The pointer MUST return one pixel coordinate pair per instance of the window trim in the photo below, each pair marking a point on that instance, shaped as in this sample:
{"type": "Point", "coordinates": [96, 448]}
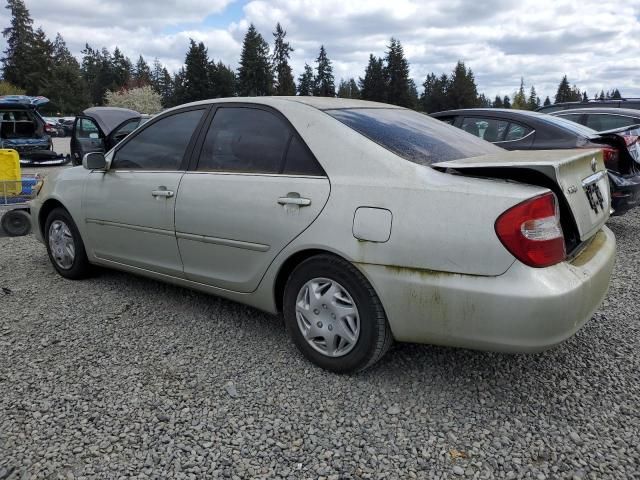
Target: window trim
{"type": "Point", "coordinates": [531, 132]}
{"type": "Point", "coordinates": [188, 153]}
{"type": "Point", "coordinates": [195, 158]}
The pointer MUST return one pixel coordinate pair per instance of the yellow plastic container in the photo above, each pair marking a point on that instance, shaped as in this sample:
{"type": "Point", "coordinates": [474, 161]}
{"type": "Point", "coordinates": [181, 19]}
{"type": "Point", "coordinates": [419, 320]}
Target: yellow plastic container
{"type": "Point", "coordinates": [10, 183]}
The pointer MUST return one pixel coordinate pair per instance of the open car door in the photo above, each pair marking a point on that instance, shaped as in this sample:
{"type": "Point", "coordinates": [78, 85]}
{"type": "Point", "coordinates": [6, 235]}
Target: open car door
{"type": "Point", "coordinates": [86, 137]}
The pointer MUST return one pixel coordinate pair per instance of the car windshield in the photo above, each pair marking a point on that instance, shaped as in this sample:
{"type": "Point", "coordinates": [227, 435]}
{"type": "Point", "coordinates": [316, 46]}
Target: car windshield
{"type": "Point", "coordinates": [413, 136]}
{"type": "Point", "coordinates": [565, 124]}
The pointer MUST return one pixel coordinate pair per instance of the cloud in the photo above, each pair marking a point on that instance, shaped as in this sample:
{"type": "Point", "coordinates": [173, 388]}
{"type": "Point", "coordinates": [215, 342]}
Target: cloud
{"type": "Point", "coordinates": [593, 42]}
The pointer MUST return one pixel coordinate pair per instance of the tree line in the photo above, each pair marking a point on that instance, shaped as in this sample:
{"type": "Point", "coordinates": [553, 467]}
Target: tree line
{"type": "Point", "coordinates": [35, 65]}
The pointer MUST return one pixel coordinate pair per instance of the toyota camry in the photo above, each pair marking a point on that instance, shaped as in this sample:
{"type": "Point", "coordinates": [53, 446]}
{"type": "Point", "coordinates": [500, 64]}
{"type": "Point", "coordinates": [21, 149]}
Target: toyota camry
{"type": "Point", "coordinates": [361, 223]}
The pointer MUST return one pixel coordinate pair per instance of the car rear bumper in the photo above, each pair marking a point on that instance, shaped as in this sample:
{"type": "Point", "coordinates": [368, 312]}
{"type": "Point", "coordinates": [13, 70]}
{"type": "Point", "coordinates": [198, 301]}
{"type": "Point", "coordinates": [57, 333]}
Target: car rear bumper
{"type": "Point", "coordinates": [524, 310]}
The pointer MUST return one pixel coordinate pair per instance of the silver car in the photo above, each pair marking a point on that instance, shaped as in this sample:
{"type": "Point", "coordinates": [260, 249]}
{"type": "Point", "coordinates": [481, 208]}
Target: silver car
{"type": "Point", "coordinates": [362, 223]}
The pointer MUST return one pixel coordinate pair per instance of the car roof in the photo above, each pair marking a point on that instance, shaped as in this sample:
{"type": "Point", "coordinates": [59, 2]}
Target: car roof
{"type": "Point", "coordinates": [490, 112]}
{"type": "Point", "coordinates": [320, 103]}
{"type": "Point", "coordinates": [612, 110]}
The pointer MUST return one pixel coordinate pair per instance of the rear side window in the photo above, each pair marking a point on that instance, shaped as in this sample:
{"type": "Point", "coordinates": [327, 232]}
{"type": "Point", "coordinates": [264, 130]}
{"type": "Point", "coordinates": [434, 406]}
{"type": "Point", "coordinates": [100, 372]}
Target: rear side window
{"type": "Point", "coordinates": [601, 122]}
{"type": "Point", "coordinates": [160, 146]}
{"type": "Point", "coordinates": [300, 161]}
{"type": "Point", "coordinates": [244, 140]}
{"type": "Point", "coordinates": [516, 132]}
{"type": "Point", "coordinates": [489, 129]}
{"type": "Point", "coordinates": [412, 135]}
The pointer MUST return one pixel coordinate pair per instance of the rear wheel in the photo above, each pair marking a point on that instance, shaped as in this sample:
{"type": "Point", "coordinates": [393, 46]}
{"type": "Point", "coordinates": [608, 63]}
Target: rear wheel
{"type": "Point", "coordinates": [334, 316]}
{"type": "Point", "coordinates": [65, 247]}
{"type": "Point", "coordinates": [16, 223]}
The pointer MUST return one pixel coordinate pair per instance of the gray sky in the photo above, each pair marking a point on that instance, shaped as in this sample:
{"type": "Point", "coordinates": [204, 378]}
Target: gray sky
{"type": "Point", "coordinates": [596, 43]}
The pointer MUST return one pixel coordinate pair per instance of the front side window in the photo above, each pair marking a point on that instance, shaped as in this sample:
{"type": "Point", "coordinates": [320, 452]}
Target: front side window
{"type": "Point", "coordinates": [161, 146]}
{"type": "Point", "coordinates": [245, 140]}
{"type": "Point", "coordinates": [413, 136]}
{"type": "Point", "coordinates": [602, 122]}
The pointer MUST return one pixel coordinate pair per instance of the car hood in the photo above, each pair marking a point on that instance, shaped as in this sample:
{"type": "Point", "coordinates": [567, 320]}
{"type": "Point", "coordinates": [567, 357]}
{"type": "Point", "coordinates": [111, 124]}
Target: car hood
{"type": "Point", "coordinates": [108, 118]}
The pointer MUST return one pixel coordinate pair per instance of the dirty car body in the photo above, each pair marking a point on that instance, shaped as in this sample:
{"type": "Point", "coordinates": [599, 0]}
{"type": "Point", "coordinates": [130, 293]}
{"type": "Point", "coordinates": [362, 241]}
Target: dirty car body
{"type": "Point", "coordinates": [285, 203]}
{"type": "Point", "coordinates": [523, 130]}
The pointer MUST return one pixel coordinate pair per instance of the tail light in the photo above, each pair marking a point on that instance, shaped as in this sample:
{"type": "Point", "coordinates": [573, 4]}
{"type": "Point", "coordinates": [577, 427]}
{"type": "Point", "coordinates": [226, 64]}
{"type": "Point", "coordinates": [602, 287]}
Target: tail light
{"type": "Point", "coordinates": [49, 128]}
{"type": "Point", "coordinates": [531, 231]}
{"type": "Point", "coordinates": [611, 156]}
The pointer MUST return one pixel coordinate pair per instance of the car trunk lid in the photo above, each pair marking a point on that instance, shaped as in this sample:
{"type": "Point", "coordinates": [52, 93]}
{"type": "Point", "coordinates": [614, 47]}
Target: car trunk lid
{"type": "Point", "coordinates": [577, 177]}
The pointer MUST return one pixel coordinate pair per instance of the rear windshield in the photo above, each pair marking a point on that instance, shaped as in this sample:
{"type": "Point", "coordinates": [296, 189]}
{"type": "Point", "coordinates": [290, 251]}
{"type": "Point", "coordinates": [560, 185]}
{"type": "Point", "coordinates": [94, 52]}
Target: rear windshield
{"type": "Point", "coordinates": [412, 135]}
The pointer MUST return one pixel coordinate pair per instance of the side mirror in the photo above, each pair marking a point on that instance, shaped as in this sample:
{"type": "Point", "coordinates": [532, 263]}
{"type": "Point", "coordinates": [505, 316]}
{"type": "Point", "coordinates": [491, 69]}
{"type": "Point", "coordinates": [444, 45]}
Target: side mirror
{"type": "Point", "coordinates": [94, 161]}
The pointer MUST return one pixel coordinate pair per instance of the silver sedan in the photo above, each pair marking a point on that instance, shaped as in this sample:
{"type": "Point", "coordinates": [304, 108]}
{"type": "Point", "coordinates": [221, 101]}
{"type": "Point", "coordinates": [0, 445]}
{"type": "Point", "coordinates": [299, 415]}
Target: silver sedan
{"type": "Point", "coordinates": [362, 223]}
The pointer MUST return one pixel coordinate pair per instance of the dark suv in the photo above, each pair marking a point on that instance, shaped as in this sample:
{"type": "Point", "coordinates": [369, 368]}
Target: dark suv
{"type": "Point", "coordinates": [633, 103]}
{"type": "Point", "coordinates": [23, 129]}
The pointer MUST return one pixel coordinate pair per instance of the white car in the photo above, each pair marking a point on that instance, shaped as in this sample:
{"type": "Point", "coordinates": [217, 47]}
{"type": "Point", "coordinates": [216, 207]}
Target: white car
{"type": "Point", "coordinates": [361, 222]}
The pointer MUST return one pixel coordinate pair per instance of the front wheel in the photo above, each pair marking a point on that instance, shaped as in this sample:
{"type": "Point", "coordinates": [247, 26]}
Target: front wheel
{"type": "Point", "coordinates": [334, 316]}
{"type": "Point", "coordinates": [64, 245]}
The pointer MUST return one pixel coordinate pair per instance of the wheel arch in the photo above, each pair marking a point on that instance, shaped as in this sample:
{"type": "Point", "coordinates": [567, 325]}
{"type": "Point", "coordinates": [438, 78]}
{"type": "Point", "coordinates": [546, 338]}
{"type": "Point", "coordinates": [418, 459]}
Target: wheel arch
{"type": "Point", "coordinates": [47, 207]}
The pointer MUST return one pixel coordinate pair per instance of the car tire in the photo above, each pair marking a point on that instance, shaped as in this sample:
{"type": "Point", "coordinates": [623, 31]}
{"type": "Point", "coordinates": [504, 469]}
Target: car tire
{"type": "Point", "coordinates": [64, 245]}
{"type": "Point", "coordinates": [16, 223]}
{"type": "Point", "coordinates": [334, 316]}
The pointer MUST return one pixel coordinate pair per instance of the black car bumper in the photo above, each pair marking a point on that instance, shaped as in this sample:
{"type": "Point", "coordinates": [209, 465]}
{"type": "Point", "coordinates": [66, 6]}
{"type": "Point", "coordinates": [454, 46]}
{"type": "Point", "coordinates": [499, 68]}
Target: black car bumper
{"type": "Point", "coordinates": [625, 192]}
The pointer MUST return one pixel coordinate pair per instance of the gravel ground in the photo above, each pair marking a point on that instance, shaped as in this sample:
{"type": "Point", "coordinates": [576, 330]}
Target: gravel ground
{"type": "Point", "coordinates": [121, 376]}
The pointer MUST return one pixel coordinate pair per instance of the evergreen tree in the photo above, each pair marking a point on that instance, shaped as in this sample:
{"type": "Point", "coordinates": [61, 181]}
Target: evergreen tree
{"type": "Point", "coordinates": [564, 93]}
{"type": "Point", "coordinates": [483, 101]}
{"type": "Point", "coordinates": [616, 94]}
{"type": "Point", "coordinates": [414, 99]}
{"type": "Point", "coordinates": [435, 96]}
{"type": "Point", "coordinates": [497, 103]}
{"type": "Point", "coordinates": [462, 91]}
{"type": "Point", "coordinates": [533, 103]}
{"type": "Point", "coordinates": [306, 81]}
{"type": "Point", "coordinates": [348, 89]}
{"type": "Point", "coordinates": [324, 85]}
{"type": "Point", "coordinates": [66, 88]}
{"type": "Point", "coordinates": [196, 73]}
{"type": "Point", "coordinates": [141, 73]}
{"type": "Point", "coordinates": [585, 97]}
{"type": "Point", "coordinates": [506, 102]}
{"type": "Point", "coordinates": [396, 74]}
{"type": "Point", "coordinates": [374, 86]}
{"type": "Point", "coordinates": [222, 79]}
{"type": "Point", "coordinates": [157, 77]}
{"type": "Point", "coordinates": [547, 101]}
{"type": "Point", "coordinates": [97, 71]}
{"type": "Point", "coordinates": [601, 97]}
{"type": "Point", "coordinates": [40, 64]}
{"type": "Point", "coordinates": [519, 98]}
{"type": "Point", "coordinates": [284, 76]}
{"type": "Point", "coordinates": [167, 92]}
{"type": "Point", "coordinates": [255, 77]}
{"type": "Point", "coordinates": [17, 61]}
{"type": "Point", "coordinates": [179, 88]}
{"type": "Point", "coordinates": [122, 69]}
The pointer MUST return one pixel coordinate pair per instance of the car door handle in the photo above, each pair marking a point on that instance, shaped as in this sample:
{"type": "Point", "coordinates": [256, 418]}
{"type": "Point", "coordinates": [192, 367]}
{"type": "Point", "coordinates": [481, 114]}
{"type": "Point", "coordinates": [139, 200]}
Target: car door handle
{"type": "Point", "coordinates": [162, 193]}
{"type": "Point", "coordinates": [301, 202]}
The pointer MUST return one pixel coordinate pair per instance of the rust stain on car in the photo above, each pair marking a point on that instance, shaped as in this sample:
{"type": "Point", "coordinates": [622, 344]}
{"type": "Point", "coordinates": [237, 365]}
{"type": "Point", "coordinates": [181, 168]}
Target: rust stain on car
{"type": "Point", "coordinates": [590, 250]}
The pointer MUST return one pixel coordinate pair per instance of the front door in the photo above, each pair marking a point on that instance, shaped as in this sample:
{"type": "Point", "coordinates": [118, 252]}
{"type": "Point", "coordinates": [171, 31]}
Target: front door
{"type": "Point", "coordinates": [86, 137]}
{"type": "Point", "coordinates": [255, 188]}
{"type": "Point", "coordinates": [129, 210]}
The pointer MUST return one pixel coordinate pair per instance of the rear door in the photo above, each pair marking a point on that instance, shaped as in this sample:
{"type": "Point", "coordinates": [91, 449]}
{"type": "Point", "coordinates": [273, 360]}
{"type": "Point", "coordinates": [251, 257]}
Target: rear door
{"type": "Point", "coordinates": [86, 137]}
{"type": "Point", "coordinates": [255, 187]}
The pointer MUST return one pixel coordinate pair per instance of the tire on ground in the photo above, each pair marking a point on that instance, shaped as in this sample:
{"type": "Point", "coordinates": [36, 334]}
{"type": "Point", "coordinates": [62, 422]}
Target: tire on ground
{"type": "Point", "coordinates": [80, 268]}
{"type": "Point", "coordinates": [375, 336]}
{"type": "Point", "coordinates": [16, 223]}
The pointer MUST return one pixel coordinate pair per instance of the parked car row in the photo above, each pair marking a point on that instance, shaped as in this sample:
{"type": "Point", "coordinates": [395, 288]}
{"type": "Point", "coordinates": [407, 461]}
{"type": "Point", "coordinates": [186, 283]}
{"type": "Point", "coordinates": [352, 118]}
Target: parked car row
{"type": "Point", "coordinates": [565, 129]}
{"type": "Point", "coordinates": [362, 223]}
